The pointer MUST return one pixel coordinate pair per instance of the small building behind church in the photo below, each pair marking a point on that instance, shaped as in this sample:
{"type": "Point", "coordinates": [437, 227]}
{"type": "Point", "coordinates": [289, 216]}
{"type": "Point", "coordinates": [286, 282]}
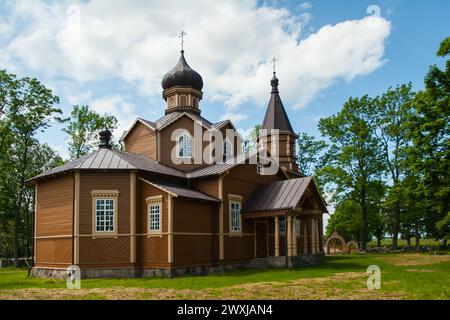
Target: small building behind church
{"type": "Point", "coordinates": [158, 207]}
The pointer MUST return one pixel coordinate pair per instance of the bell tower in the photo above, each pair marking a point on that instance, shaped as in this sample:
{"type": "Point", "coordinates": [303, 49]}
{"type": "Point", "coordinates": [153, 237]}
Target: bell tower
{"type": "Point", "coordinates": [276, 118]}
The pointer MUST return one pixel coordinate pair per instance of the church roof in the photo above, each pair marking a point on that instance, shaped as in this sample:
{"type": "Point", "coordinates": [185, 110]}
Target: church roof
{"type": "Point", "coordinates": [166, 120]}
{"type": "Point", "coordinates": [279, 195]}
{"type": "Point", "coordinates": [113, 160]}
{"type": "Point", "coordinates": [182, 75]}
{"type": "Point", "coordinates": [276, 117]}
{"type": "Point", "coordinates": [177, 189]}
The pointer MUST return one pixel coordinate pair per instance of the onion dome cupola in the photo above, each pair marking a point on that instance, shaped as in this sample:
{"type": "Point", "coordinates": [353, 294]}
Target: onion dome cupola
{"type": "Point", "coordinates": [105, 139]}
{"type": "Point", "coordinates": [182, 88]}
{"type": "Point", "coordinates": [276, 118]}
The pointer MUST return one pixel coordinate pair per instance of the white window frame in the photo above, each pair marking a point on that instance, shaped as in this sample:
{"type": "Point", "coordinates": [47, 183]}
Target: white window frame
{"type": "Point", "coordinates": [229, 150]}
{"type": "Point", "coordinates": [155, 201]}
{"type": "Point", "coordinates": [185, 135]}
{"type": "Point", "coordinates": [235, 200]}
{"type": "Point", "coordinates": [282, 225]}
{"type": "Point", "coordinates": [104, 195]}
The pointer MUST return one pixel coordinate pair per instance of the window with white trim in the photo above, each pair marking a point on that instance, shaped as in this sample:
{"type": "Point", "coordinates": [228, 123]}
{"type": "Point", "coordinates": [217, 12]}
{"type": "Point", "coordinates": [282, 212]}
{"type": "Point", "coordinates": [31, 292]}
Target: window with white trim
{"type": "Point", "coordinates": [227, 148]}
{"type": "Point", "coordinates": [235, 212]}
{"type": "Point", "coordinates": [104, 215]}
{"type": "Point", "coordinates": [184, 146]}
{"type": "Point", "coordinates": [104, 211]}
{"type": "Point", "coordinates": [282, 225]}
{"type": "Point", "coordinates": [154, 217]}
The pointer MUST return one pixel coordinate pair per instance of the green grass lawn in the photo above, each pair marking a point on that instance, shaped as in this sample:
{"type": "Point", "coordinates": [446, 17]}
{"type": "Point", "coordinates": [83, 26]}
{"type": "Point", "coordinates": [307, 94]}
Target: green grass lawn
{"type": "Point", "coordinates": [403, 276]}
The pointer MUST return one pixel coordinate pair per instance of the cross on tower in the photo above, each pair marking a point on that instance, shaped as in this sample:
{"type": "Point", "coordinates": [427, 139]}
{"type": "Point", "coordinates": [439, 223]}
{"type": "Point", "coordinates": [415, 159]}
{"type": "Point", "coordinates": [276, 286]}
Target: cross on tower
{"type": "Point", "coordinates": [274, 64]}
{"type": "Point", "coordinates": [182, 34]}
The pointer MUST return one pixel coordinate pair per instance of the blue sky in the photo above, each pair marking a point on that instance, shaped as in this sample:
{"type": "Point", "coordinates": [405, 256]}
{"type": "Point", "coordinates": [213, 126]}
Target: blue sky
{"type": "Point", "coordinates": [113, 54]}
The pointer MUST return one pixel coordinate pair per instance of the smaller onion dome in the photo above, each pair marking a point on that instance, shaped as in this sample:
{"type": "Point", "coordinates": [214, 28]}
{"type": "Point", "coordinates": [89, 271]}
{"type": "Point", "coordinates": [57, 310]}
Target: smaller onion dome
{"type": "Point", "coordinates": [105, 139]}
{"type": "Point", "coordinates": [182, 75]}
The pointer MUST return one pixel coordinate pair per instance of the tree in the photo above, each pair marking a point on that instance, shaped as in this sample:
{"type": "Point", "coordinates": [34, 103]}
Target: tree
{"type": "Point", "coordinates": [28, 107]}
{"type": "Point", "coordinates": [83, 127]}
{"type": "Point", "coordinates": [353, 160]}
{"type": "Point", "coordinates": [345, 220]}
{"type": "Point", "coordinates": [388, 113]}
{"type": "Point", "coordinates": [428, 156]}
{"type": "Point", "coordinates": [309, 153]}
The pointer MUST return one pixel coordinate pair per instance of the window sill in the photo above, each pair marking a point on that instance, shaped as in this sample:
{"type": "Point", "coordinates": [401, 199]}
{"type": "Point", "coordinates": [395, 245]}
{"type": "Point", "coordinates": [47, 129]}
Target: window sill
{"type": "Point", "coordinates": [105, 236]}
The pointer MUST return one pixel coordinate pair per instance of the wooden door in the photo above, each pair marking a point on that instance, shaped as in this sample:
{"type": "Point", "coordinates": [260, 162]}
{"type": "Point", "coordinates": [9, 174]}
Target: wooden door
{"type": "Point", "coordinates": [261, 240]}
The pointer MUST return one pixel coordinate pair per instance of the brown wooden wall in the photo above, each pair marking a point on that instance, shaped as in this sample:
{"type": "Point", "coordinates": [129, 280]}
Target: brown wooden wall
{"type": "Point", "coordinates": [142, 140]}
{"type": "Point", "coordinates": [208, 185]}
{"type": "Point", "coordinates": [167, 144]}
{"type": "Point", "coordinates": [54, 219]}
{"type": "Point", "coordinates": [242, 180]}
{"type": "Point", "coordinates": [195, 227]}
{"type": "Point", "coordinates": [109, 251]}
{"type": "Point", "coordinates": [151, 252]}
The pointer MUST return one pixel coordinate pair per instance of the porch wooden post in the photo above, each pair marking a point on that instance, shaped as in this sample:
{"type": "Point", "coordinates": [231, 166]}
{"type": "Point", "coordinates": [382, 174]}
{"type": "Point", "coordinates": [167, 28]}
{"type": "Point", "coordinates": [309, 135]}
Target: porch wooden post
{"type": "Point", "coordinates": [277, 237]}
{"type": "Point", "coordinates": [305, 236]}
{"type": "Point", "coordinates": [313, 235]}
{"type": "Point", "coordinates": [289, 236]}
{"type": "Point", "coordinates": [294, 236]}
{"type": "Point", "coordinates": [318, 236]}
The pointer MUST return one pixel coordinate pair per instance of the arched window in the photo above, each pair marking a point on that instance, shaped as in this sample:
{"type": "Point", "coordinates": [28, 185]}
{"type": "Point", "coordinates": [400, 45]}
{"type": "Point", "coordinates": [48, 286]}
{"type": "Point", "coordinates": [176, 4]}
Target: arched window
{"type": "Point", "coordinates": [227, 148]}
{"type": "Point", "coordinates": [183, 101]}
{"type": "Point", "coordinates": [184, 146]}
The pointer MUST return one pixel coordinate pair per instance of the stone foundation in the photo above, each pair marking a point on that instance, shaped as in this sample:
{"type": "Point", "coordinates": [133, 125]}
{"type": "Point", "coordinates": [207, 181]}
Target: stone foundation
{"type": "Point", "coordinates": [307, 260]}
{"type": "Point", "coordinates": [136, 272]}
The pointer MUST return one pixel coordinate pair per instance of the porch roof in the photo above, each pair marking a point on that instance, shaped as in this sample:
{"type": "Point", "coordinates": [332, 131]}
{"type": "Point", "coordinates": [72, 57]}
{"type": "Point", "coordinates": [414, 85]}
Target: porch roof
{"type": "Point", "coordinates": [281, 196]}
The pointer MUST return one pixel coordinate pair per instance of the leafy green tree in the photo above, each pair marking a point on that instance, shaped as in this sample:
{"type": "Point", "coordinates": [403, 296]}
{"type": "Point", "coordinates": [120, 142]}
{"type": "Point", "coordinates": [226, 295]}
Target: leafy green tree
{"type": "Point", "coordinates": [83, 127]}
{"type": "Point", "coordinates": [345, 220]}
{"type": "Point", "coordinates": [309, 153]}
{"type": "Point", "coordinates": [27, 107]}
{"type": "Point", "coordinates": [388, 114]}
{"type": "Point", "coordinates": [428, 155]}
{"type": "Point", "coordinates": [353, 160]}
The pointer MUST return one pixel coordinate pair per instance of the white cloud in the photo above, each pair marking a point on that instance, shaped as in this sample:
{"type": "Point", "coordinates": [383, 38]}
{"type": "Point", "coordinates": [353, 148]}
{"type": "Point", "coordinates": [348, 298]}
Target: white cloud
{"type": "Point", "coordinates": [305, 5]}
{"type": "Point", "coordinates": [229, 42]}
{"type": "Point", "coordinates": [118, 106]}
{"type": "Point", "coordinates": [234, 117]}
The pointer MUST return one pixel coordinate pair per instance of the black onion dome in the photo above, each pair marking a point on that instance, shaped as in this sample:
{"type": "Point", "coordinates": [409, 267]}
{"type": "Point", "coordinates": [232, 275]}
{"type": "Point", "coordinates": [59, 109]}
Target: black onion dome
{"type": "Point", "coordinates": [182, 75]}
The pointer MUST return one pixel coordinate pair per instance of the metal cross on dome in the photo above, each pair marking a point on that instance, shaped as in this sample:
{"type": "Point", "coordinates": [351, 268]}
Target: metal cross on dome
{"type": "Point", "coordinates": [182, 34]}
{"type": "Point", "coordinates": [274, 64]}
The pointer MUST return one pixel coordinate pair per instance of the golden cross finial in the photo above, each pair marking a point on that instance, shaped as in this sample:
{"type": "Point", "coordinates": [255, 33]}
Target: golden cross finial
{"type": "Point", "coordinates": [274, 64]}
{"type": "Point", "coordinates": [182, 34]}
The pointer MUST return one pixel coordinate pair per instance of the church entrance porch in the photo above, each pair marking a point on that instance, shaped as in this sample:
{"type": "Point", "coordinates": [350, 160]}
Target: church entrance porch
{"type": "Point", "coordinates": [290, 238]}
{"type": "Point", "coordinates": [261, 239]}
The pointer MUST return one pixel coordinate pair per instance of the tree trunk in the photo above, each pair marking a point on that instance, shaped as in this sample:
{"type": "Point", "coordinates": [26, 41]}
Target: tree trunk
{"type": "Point", "coordinates": [378, 241]}
{"type": "Point", "coordinates": [396, 225]}
{"type": "Point", "coordinates": [417, 236]}
{"type": "Point", "coordinates": [408, 241]}
{"type": "Point", "coordinates": [16, 237]}
{"type": "Point", "coordinates": [364, 221]}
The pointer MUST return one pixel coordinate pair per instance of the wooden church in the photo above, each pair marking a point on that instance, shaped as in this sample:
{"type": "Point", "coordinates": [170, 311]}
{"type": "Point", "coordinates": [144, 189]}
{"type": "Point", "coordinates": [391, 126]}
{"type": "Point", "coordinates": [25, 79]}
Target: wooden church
{"type": "Point", "coordinates": [157, 207]}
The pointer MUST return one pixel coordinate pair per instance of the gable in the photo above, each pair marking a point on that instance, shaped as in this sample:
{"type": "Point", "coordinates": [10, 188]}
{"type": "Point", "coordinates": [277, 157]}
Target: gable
{"type": "Point", "coordinates": [142, 140]}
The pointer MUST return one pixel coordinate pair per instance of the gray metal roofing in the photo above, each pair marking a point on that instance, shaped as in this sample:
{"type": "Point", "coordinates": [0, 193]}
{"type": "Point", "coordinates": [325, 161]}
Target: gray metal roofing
{"type": "Point", "coordinates": [178, 189]}
{"type": "Point", "coordinates": [113, 159]}
{"type": "Point", "coordinates": [219, 168]}
{"type": "Point", "coordinates": [163, 121]}
{"type": "Point", "coordinates": [277, 195]}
